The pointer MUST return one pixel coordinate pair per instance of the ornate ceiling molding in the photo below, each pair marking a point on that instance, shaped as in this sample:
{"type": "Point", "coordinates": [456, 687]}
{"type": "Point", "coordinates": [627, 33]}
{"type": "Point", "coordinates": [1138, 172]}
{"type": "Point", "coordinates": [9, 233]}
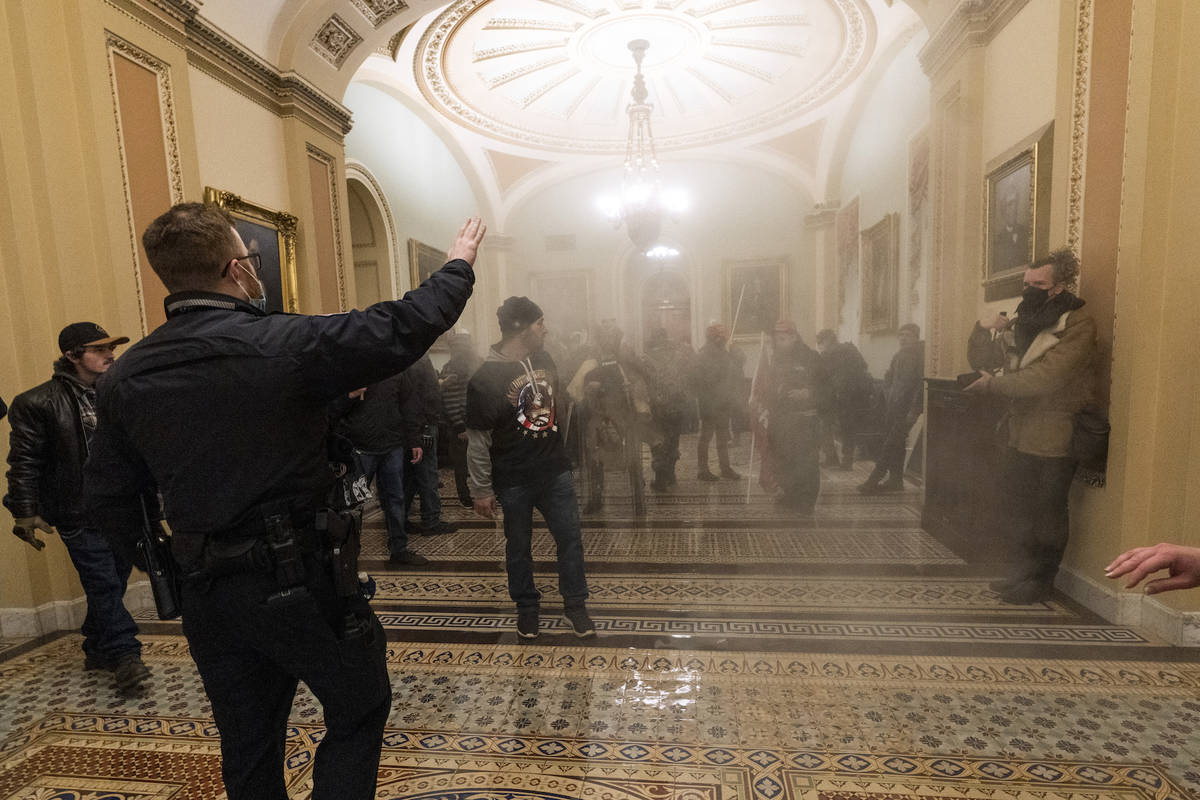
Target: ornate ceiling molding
{"type": "Point", "coordinates": [378, 12]}
{"type": "Point", "coordinates": [973, 23]}
{"type": "Point", "coordinates": [335, 40]}
{"type": "Point", "coordinates": [210, 51]}
{"type": "Point", "coordinates": [499, 77]}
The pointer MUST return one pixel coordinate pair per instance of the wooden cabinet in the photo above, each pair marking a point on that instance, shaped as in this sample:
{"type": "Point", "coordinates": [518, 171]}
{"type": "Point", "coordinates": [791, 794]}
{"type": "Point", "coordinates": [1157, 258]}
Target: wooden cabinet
{"type": "Point", "coordinates": [962, 467]}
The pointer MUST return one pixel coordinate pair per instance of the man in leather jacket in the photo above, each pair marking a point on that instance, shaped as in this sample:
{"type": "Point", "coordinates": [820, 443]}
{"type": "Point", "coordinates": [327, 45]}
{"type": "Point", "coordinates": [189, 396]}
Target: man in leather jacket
{"type": "Point", "coordinates": [52, 425]}
{"type": "Point", "coordinates": [224, 409]}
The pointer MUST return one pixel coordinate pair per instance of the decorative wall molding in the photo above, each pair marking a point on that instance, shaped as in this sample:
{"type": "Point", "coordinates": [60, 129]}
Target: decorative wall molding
{"type": "Point", "coordinates": [943, 170]}
{"type": "Point", "coordinates": [378, 12]}
{"type": "Point", "coordinates": [335, 218]}
{"type": "Point", "coordinates": [1079, 122]}
{"type": "Point", "coordinates": [120, 48]}
{"type": "Point", "coordinates": [359, 172]}
{"type": "Point", "coordinates": [335, 40]}
{"type": "Point", "coordinates": [284, 94]}
{"type": "Point", "coordinates": [823, 215]}
{"type": "Point", "coordinates": [973, 23]}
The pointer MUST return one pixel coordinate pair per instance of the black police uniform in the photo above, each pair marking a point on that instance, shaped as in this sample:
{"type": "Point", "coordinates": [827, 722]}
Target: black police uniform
{"type": "Point", "coordinates": [223, 409]}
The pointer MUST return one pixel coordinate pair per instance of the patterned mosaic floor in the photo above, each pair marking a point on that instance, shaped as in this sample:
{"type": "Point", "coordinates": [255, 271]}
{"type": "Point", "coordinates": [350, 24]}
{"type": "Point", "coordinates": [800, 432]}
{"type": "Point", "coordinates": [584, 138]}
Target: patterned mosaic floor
{"type": "Point", "coordinates": [599, 722]}
{"type": "Point", "coordinates": [743, 655]}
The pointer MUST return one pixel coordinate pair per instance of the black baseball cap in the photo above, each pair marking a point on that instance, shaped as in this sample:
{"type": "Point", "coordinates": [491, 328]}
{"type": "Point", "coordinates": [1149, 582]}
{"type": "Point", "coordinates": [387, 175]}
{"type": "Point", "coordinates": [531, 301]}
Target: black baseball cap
{"type": "Point", "coordinates": [84, 334]}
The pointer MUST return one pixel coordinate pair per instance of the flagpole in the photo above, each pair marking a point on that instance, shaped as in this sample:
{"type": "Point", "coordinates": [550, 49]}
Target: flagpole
{"type": "Point", "coordinates": [736, 313]}
{"type": "Point", "coordinates": [753, 423]}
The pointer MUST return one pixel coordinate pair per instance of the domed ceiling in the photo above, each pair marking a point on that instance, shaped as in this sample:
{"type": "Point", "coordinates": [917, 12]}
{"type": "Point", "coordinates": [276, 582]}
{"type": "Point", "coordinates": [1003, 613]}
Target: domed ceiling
{"type": "Point", "coordinates": [556, 74]}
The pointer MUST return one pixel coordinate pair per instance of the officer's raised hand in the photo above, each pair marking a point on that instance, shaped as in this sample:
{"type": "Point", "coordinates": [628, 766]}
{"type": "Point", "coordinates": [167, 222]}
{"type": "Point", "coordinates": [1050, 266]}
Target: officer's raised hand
{"type": "Point", "coordinates": [26, 528]}
{"type": "Point", "coordinates": [466, 244]}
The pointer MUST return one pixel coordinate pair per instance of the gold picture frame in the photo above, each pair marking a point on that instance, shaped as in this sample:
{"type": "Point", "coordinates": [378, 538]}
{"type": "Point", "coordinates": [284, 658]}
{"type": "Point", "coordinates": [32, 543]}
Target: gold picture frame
{"type": "Point", "coordinates": [766, 297]}
{"type": "Point", "coordinates": [272, 234]}
{"type": "Point", "coordinates": [423, 261]}
{"type": "Point", "coordinates": [880, 253]}
{"type": "Point", "coordinates": [1016, 214]}
{"type": "Point", "coordinates": [565, 295]}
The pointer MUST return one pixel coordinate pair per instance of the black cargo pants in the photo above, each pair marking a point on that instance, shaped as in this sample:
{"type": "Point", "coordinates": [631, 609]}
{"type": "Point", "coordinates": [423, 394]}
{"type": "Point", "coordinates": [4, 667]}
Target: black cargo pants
{"type": "Point", "coordinates": [251, 656]}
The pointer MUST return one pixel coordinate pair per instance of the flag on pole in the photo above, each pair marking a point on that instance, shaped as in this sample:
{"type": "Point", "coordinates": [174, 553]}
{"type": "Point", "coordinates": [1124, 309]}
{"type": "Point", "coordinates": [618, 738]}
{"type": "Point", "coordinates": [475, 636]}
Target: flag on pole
{"type": "Point", "coordinates": [760, 392]}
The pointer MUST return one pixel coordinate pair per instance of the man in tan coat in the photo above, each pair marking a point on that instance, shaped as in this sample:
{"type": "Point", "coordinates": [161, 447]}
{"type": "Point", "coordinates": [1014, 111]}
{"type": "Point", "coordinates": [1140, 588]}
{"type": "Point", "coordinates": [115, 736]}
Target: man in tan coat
{"type": "Point", "coordinates": [1049, 378]}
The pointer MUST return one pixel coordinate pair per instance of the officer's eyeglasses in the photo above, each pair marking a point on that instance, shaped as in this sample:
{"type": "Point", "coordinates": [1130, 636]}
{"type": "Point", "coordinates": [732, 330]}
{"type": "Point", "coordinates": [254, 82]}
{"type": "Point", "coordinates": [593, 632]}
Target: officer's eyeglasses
{"type": "Point", "coordinates": [255, 260]}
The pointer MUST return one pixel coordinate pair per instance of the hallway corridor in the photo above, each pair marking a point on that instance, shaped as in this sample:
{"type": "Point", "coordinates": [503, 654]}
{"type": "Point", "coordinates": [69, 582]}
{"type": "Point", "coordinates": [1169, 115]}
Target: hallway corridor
{"type": "Point", "coordinates": [741, 655]}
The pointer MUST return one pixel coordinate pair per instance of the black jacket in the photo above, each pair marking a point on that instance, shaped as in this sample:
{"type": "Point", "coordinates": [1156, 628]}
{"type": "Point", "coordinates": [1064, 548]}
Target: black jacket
{"type": "Point", "coordinates": [428, 394]}
{"type": "Point", "coordinates": [225, 409]}
{"type": "Point", "coordinates": [47, 448]}
{"type": "Point", "coordinates": [387, 417]}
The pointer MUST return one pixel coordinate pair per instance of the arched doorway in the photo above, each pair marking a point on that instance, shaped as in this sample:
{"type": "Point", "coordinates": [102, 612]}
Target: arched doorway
{"type": "Point", "coordinates": [370, 238]}
{"type": "Point", "coordinates": [666, 303]}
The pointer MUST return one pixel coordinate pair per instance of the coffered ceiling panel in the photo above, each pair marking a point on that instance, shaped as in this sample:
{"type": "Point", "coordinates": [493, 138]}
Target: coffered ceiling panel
{"type": "Point", "coordinates": [556, 74]}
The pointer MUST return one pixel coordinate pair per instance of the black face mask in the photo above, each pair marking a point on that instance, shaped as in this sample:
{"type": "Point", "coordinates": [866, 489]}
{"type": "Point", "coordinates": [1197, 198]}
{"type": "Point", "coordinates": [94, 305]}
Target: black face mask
{"type": "Point", "coordinates": [1034, 296]}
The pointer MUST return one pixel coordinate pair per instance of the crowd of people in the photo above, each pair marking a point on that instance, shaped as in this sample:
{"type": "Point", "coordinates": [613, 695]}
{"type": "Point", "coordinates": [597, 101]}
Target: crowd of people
{"type": "Point", "coordinates": [233, 424]}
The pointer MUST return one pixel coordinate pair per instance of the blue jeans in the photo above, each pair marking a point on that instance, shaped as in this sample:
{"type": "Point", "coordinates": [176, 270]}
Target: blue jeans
{"type": "Point", "coordinates": [422, 480]}
{"type": "Point", "coordinates": [387, 469]}
{"type": "Point", "coordinates": [109, 632]}
{"type": "Point", "coordinates": [555, 498]}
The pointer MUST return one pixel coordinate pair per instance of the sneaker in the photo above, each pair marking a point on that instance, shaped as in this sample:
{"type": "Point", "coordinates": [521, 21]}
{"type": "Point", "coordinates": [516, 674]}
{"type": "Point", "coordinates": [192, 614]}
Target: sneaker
{"type": "Point", "coordinates": [869, 487]}
{"type": "Point", "coordinates": [581, 623]}
{"type": "Point", "coordinates": [731, 474]}
{"type": "Point", "coordinates": [892, 486]}
{"type": "Point", "coordinates": [436, 529]}
{"type": "Point", "coordinates": [527, 624]}
{"type": "Point", "coordinates": [130, 674]}
{"type": "Point", "coordinates": [407, 558]}
{"type": "Point", "coordinates": [705, 475]}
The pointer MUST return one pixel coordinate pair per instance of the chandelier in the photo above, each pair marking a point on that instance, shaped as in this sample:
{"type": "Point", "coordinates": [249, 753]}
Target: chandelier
{"type": "Point", "coordinates": [642, 202]}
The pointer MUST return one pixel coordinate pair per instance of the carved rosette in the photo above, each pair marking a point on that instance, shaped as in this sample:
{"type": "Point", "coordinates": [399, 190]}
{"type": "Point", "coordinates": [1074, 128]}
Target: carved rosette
{"type": "Point", "coordinates": [335, 40]}
{"type": "Point", "coordinates": [378, 12]}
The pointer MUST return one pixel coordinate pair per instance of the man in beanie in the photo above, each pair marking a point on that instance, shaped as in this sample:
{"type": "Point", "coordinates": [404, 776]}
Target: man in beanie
{"type": "Point", "coordinates": [516, 459]}
{"type": "Point", "coordinates": [718, 381]}
{"type": "Point", "coordinates": [52, 426]}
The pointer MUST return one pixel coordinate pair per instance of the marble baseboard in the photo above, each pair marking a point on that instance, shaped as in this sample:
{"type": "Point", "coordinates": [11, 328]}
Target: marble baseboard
{"type": "Point", "coordinates": [1179, 628]}
{"type": "Point", "coordinates": [65, 615]}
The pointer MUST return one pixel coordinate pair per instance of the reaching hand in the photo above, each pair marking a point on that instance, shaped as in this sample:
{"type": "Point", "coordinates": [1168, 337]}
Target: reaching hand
{"type": "Point", "coordinates": [486, 507]}
{"type": "Point", "coordinates": [417, 455]}
{"type": "Point", "coordinates": [1182, 565]}
{"type": "Point", "coordinates": [26, 528]}
{"type": "Point", "coordinates": [466, 244]}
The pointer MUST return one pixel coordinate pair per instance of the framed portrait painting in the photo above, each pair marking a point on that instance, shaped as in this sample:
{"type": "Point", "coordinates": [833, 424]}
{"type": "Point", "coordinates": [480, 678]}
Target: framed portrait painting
{"type": "Point", "coordinates": [272, 234]}
{"type": "Point", "coordinates": [755, 296]}
{"type": "Point", "coordinates": [880, 270]}
{"type": "Point", "coordinates": [564, 296]}
{"type": "Point", "coordinates": [423, 261]}
{"type": "Point", "coordinates": [1016, 222]}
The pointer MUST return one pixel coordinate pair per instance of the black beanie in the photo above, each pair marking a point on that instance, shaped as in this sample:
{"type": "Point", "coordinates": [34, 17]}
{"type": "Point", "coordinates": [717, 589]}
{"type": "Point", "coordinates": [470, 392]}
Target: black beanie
{"type": "Point", "coordinates": [516, 314]}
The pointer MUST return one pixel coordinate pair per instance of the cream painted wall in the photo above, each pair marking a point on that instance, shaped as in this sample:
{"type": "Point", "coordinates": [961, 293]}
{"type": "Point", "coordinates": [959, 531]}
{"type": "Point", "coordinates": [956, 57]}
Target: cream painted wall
{"type": "Point", "coordinates": [876, 171]}
{"type": "Point", "coordinates": [737, 212]}
{"type": "Point", "coordinates": [240, 144]}
{"type": "Point", "coordinates": [426, 189]}
{"type": "Point", "coordinates": [1020, 77]}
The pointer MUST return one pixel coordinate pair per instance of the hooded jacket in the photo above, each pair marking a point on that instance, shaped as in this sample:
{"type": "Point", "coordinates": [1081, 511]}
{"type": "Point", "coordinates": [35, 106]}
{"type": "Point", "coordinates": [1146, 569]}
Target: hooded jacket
{"type": "Point", "coordinates": [512, 424]}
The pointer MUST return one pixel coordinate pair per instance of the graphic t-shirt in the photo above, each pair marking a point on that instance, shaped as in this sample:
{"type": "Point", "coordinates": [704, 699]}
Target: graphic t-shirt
{"type": "Point", "coordinates": [516, 401]}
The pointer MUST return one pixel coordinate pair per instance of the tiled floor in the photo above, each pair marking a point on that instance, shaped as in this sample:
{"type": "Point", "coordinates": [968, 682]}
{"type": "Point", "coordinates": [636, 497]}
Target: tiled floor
{"type": "Point", "coordinates": [743, 655]}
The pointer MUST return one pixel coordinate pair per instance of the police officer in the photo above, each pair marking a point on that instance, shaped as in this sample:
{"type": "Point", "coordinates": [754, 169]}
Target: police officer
{"type": "Point", "coordinates": [223, 410]}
